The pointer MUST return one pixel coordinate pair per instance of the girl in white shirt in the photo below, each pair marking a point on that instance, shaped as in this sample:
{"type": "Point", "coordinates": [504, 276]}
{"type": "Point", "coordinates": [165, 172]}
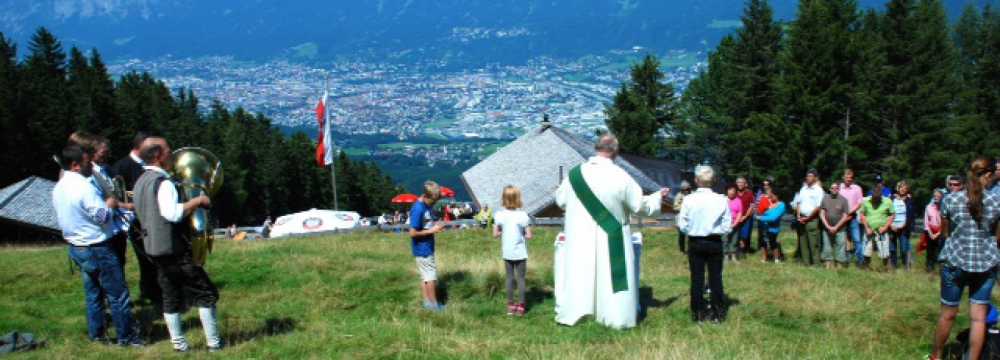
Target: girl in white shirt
{"type": "Point", "coordinates": [513, 227]}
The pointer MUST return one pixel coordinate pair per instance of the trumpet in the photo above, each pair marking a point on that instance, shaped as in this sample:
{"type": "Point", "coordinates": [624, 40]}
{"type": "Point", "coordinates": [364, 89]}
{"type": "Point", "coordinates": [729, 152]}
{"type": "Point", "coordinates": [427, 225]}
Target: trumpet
{"type": "Point", "coordinates": [120, 192]}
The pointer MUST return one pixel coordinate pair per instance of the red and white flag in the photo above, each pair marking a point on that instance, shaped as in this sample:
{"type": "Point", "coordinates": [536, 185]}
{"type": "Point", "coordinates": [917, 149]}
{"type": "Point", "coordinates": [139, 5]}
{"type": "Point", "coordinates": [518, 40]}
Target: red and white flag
{"type": "Point", "coordinates": [324, 145]}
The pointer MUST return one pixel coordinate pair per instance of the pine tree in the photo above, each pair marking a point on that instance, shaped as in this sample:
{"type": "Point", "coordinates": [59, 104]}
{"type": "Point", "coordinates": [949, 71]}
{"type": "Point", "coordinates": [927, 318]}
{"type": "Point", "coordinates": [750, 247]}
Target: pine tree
{"type": "Point", "coordinates": [988, 76]}
{"type": "Point", "coordinates": [933, 68]}
{"type": "Point", "coordinates": [867, 136]}
{"type": "Point", "coordinates": [759, 42]}
{"type": "Point", "coordinates": [102, 95]}
{"type": "Point", "coordinates": [641, 109]}
{"type": "Point", "coordinates": [44, 105]}
{"type": "Point", "coordinates": [79, 90]}
{"type": "Point", "coordinates": [12, 131]}
{"type": "Point", "coordinates": [816, 84]}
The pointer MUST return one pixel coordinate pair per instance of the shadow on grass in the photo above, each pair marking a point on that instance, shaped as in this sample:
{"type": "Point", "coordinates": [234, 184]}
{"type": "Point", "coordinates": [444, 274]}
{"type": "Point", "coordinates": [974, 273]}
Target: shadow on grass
{"type": "Point", "coordinates": [536, 295]}
{"type": "Point", "coordinates": [271, 327]}
{"type": "Point", "coordinates": [448, 280]}
{"type": "Point", "coordinates": [648, 301]}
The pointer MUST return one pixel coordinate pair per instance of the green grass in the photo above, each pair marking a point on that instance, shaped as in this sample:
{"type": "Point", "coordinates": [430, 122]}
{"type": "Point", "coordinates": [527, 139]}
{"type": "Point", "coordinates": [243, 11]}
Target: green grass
{"type": "Point", "coordinates": [491, 148]}
{"type": "Point", "coordinates": [401, 145]}
{"type": "Point", "coordinates": [356, 151]}
{"type": "Point", "coordinates": [356, 296]}
{"type": "Point", "coordinates": [440, 123]}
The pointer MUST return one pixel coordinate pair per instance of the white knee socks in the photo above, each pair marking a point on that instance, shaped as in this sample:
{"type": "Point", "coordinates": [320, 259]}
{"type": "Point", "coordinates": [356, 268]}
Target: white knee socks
{"type": "Point", "coordinates": [176, 330]}
{"type": "Point", "coordinates": [211, 327]}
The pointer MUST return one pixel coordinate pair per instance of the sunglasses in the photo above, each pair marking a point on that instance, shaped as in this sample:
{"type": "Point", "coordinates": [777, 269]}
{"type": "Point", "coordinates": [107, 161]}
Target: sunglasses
{"type": "Point", "coordinates": [954, 184]}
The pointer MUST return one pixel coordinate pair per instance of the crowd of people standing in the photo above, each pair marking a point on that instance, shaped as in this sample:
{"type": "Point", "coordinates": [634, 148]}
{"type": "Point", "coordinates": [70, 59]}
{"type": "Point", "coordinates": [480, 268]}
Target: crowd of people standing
{"type": "Point", "coordinates": [837, 225]}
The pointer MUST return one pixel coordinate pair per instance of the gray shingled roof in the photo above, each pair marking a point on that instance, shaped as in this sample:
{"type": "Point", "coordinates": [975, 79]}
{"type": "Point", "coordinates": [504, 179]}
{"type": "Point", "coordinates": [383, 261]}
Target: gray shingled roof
{"type": "Point", "coordinates": [533, 163]}
{"type": "Point", "coordinates": [29, 203]}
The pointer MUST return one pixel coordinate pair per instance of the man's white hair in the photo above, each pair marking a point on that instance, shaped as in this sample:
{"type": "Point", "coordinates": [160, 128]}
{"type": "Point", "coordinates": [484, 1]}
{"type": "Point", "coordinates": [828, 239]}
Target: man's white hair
{"type": "Point", "coordinates": [704, 176]}
{"type": "Point", "coordinates": [607, 143]}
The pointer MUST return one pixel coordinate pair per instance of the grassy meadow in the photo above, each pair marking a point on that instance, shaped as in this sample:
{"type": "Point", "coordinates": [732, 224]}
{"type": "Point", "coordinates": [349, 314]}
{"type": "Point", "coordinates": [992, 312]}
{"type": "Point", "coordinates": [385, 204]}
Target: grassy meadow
{"type": "Point", "coordinates": [356, 296]}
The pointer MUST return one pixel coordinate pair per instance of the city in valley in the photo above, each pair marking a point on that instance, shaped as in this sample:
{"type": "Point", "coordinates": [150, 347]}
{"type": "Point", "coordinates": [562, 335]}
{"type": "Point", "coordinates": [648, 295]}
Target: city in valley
{"type": "Point", "coordinates": [428, 115]}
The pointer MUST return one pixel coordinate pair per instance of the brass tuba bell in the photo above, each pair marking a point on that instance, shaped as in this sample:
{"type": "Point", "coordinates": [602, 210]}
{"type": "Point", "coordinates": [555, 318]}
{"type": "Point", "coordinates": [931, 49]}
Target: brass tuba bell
{"type": "Point", "coordinates": [198, 172]}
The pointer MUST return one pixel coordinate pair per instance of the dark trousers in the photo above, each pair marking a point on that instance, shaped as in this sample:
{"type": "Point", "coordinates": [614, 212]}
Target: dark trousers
{"type": "Point", "coordinates": [706, 252]}
{"type": "Point", "coordinates": [809, 238]}
{"type": "Point", "coordinates": [184, 283]}
{"type": "Point", "coordinates": [933, 250]}
{"type": "Point", "coordinates": [681, 240]}
{"type": "Point", "coordinates": [149, 287]}
{"type": "Point", "coordinates": [761, 235]}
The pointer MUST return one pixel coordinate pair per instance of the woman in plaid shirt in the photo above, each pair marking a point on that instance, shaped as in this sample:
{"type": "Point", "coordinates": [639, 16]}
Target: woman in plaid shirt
{"type": "Point", "coordinates": [970, 256]}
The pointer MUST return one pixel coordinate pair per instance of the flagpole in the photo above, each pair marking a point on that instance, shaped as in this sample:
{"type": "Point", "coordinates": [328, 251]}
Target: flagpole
{"type": "Point", "coordinates": [326, 123]}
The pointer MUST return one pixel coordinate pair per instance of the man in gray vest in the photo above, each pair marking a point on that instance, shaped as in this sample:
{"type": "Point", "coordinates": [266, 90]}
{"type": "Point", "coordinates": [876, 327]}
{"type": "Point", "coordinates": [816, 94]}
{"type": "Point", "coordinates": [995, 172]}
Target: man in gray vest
{"type": "Point", "coordinates": [157, 203]}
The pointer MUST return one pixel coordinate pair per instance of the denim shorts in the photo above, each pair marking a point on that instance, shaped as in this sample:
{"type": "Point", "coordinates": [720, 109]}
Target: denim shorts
{"type": "Point", "coordinates": [954, 281]}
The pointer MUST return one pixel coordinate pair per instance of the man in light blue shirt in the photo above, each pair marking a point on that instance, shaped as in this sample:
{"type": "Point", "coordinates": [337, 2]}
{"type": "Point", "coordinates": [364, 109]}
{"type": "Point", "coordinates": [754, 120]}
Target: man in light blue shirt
{"type": "Point", "coordinates": [86, 223]}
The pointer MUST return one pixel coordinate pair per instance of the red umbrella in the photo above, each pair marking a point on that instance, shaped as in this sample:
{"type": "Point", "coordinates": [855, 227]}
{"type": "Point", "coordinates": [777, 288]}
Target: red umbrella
{"type": "Point", "coordinates": [404, 199]}
{"type": "Point", "coordinates": [447, 192]}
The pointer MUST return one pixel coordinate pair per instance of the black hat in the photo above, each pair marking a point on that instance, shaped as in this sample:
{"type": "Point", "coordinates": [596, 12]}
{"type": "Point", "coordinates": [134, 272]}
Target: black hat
{"type": "Point", "coordinates": [879, 179]}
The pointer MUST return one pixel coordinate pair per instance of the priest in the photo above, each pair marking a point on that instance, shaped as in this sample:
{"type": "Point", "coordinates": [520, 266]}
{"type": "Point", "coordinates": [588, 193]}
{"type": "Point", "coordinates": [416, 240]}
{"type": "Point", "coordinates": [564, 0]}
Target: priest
{"type": "Point", "coordinates": [596, 271]}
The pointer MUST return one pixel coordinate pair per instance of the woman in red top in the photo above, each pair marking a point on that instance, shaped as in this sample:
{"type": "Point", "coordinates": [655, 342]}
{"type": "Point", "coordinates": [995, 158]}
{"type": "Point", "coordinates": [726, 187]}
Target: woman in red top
{"type": "Point", "coordinates": [763, 204]}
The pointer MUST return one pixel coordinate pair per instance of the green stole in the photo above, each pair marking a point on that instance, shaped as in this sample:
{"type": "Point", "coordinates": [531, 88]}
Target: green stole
{"type": "Point", "coordinates": [608, 223]}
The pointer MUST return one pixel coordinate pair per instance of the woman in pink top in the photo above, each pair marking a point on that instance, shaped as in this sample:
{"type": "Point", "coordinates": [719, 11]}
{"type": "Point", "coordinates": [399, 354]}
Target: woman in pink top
{"type": "Point", "coordinates": [736, 208]}
{"type": "Point", "coordinates": [932, 229]}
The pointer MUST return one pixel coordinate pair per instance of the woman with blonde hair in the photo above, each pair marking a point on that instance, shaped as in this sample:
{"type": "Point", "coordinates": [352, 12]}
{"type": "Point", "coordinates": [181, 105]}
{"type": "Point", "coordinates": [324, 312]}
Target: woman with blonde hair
{"type": "Point", "coordinates": [902, 225]}
{"type": "Point", "coordinates": [512, 226]}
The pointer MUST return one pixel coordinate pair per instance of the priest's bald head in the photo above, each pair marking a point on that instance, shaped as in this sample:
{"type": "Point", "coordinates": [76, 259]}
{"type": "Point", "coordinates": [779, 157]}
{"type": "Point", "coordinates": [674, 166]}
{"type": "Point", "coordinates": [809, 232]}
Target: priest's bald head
{"type": "Point", "coordinates": [704, 176]}
{"type": "Point", "coordinates": [607, 146]}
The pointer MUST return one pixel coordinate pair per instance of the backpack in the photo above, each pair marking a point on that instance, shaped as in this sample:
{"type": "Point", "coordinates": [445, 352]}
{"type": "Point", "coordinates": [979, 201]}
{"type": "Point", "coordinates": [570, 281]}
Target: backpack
{"type": "Point", "coordinates": [991, 344]}
{"type": "Point", "coordinates": [17, 342]}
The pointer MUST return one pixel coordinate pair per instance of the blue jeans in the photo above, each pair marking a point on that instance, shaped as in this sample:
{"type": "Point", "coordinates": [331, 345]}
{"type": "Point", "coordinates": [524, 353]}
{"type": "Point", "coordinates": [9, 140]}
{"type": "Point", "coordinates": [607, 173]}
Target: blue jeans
{"type": "Point", "coordinates": [746, 229]}
{"type": "Point", "coordinates": [900, 248]}
{"type": "Point", "coordinates": [854, 231]}
{"type": "Point", "coordinates": [103, 278]}
{"type": "Point", "coordinates": [954, 281]}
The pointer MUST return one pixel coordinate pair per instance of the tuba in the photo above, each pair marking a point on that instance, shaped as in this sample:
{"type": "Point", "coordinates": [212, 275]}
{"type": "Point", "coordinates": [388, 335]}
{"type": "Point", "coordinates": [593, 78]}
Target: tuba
{"type": "Point", "coordinates": [198, 172]}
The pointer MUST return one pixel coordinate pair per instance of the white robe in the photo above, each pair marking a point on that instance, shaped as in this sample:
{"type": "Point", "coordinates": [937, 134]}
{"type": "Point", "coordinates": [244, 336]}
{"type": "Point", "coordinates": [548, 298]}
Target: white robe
{"type": "Point", "coordinates": [583, 272]}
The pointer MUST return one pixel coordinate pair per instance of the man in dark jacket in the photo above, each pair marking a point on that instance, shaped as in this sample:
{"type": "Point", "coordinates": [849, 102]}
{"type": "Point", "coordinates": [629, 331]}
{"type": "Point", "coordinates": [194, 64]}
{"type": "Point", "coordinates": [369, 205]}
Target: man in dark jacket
{"type": "Point", "coordinates": [130, 168]}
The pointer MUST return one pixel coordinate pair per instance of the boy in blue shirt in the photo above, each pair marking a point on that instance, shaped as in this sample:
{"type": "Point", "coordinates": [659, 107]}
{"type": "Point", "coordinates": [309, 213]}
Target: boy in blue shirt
{"type": "Point", "coordinates": [422, 229]}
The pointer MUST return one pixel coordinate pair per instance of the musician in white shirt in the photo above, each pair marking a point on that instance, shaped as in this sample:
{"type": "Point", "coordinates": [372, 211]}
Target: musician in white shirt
{"type": "Point", "coordinates": [705, 218]}
{"type": "Point", "coordinates": [86, 223]}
